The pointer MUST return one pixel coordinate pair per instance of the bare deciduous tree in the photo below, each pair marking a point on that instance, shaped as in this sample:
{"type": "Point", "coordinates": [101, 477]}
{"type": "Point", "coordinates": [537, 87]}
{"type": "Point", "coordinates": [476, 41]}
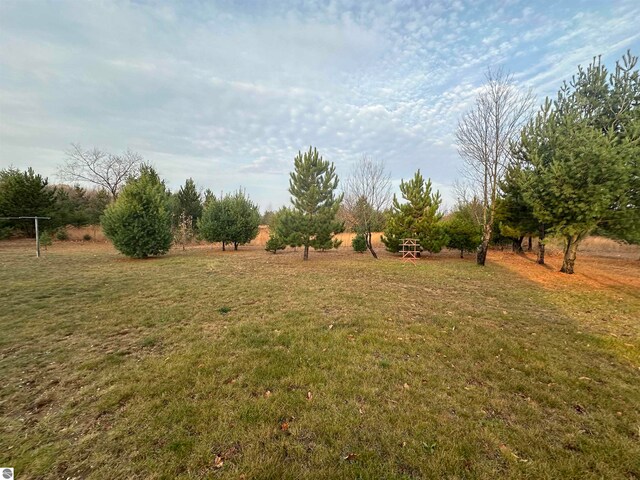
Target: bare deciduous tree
{"type": "Point", "coordinates": [484, 137]}
{"type": "Point", "coordinates": [367, 195]}
{"type": "Point", "coordinates": [467, 197]}
{"type": "Point", "coordinates": [100, 168]}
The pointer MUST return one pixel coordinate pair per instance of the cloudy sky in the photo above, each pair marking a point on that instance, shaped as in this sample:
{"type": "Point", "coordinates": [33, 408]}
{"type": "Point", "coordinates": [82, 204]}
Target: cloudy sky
{"type": "Point", "coordinates": [228, 92]}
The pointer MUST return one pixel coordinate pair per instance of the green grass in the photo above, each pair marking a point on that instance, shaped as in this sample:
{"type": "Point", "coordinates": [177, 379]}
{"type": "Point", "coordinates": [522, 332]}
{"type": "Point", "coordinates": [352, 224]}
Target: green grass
{"type": "Point", "coordinates": [114, 368]}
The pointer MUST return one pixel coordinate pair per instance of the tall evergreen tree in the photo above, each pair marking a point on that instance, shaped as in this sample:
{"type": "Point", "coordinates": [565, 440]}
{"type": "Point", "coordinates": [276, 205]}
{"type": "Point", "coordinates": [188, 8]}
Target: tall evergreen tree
{"type": "Point", "coordinates": [139, 221]}
{"type": "Point", "coordinates": [24, 194]}
{"type": "Point", "coordinates": [189, 201]}
{"type": "Point", "coordinates": [312, 185]}
{"type": "Point", "coordinates": [207, 197]}
{"type": "Point", "coordinates": [418, 217]}
{"type": "Point", "coordinates": [582, 151]}
{"type": "Point", "coordinates": [246, 219]}
{"type": "Point", "coordinates": [216, 222]}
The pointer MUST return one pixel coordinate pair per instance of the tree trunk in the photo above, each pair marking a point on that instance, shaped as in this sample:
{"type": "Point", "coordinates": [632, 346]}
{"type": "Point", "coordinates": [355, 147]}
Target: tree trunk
{"type": "Point", "coordinates": [541, 244]}
{"type": "Point", "coordinates": [481, 256]}
{"type": "Point", "coordinates": [516, 245]}
{"type": "Point", "coordinates": [305, 256]}
{"type": "Point", "coordinates": [223, 249]}
{"type": "Point", "coordinates": [530, 246]}
{"type": "Point", "coordinates": [570, 251]}
{"type": "Point", "coordinates": [370, 245]}
{"type": "Point", "coordinates": [462, 253]}
{"type": "Point", "coordinates": [235, 245]}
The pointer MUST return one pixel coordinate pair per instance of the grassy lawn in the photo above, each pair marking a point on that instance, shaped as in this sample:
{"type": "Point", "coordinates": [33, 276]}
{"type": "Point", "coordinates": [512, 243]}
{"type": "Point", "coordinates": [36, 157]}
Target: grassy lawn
{"type": "Point", "coordinates": [205, 364]}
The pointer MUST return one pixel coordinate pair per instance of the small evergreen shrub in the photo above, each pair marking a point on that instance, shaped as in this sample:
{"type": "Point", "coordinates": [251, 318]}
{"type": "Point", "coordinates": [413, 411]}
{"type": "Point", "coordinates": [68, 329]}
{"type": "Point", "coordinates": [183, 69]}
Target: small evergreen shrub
{"type": "Point", "coordinates": [86, 237]}
{"type": "Point", "coordinates": [274, 244]}
{"type": "Point", "coordinates": [359, 243]}
{"type": "Point", "coordinates": [45, 239]}
{"type": "Point", "coordinates": [62, 234]}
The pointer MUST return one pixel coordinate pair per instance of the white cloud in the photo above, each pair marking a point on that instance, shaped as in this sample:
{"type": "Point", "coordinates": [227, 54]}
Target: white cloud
{"type": "Point", "coordinates": [228, 96]}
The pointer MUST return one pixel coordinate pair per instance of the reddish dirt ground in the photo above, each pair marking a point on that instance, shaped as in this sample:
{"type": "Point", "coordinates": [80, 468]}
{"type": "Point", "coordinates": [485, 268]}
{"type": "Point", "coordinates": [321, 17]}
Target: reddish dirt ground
{"type": "Point", "coordinates": [592, 271]}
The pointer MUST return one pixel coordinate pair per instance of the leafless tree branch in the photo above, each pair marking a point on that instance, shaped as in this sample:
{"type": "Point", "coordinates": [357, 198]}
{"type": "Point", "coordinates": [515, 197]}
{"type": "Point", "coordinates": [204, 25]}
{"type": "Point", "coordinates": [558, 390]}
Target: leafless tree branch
{"type": "Point", "coordinates": [100, 168]}
{"type": "Point", "coordinates": [484, 137]}
{"type": "Point", "coordinates": [367, 195]}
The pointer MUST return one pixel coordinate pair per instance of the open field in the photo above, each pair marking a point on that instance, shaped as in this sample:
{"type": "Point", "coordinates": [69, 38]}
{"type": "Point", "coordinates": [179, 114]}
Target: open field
{"type": "Point", "coordinates": [204, 364]}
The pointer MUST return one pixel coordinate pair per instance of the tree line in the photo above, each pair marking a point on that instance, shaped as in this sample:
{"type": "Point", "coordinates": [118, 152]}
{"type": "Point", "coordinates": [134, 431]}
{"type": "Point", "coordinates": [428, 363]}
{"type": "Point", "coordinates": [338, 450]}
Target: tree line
{"type": "Point", "coordinates": [569, 170]}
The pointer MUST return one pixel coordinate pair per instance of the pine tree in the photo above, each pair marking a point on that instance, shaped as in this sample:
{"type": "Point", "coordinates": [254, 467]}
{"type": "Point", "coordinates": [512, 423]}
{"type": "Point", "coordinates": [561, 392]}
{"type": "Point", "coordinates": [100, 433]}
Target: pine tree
{"type": "Point", "coordinates": [139, 221]}
{"type": "Point", "coordinates": [283, 230]}
{"type": "Point", "coordinates": [96, 205]}
{"type": "Point", "coordinates": [246, 217]}
{"type": "Point", "coordinates": [359, 243]}
{"type": "Point", "coordinates": [216, 223]}
{"type": "Point", "coordinates": [207, 197]}
{"type": "Point", "coordinates": [71, 207]}
{"type": "Point", "coordinates": [463, 232]}
{"type": "Point", "coordinates": [189, 201]}
{"type": "Point", "coordinates": [232, 219]}
{"type": "Point", "coordinates": [312, 185]}
{"type": "Point", "coordinates": [25, 194]}
{"type": "Point", "coordinates": [582, 151]}
{"type": "Point", "coordinates": [513, 212]}
{"type": "Point", "coordinates": [418, 217]}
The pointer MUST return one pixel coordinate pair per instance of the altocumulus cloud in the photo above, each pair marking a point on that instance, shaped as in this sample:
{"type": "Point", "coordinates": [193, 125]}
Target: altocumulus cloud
{"type": "Point", "coordinates": [227, 94]}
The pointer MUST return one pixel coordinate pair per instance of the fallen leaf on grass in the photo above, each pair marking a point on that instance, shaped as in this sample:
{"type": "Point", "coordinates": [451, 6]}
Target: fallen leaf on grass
{"type": "Point", "coordinates": [218, 462]}
{"type": "Point", "coordinates": [406, 386]}
{"type": "Point", "coordinates": [284, 426]}
{"type": "Point", "coordinates": [309, 396]}
{"type": "Point", "coordinates": [330, 326]}
{"type": "Point", "coordinates": [267, 394]}
{"type": "Point", "coordinates": [351, 457]}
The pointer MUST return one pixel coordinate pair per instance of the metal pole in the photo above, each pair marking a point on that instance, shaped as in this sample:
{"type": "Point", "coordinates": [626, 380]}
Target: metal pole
{"type": "Point", "coordinates": [37, 240]}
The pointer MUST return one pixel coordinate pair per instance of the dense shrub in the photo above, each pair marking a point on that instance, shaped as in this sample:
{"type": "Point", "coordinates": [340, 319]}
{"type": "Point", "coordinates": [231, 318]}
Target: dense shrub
{"type": "Point", "coordinates": [359, 243]}
{"type": "Point", "coordinates": [62, 234]}
{"type": "Point", "coordinates": [232, 219]}
{"type": "Point", "coordinates": [86, 237]}
{"type": "Point", "coordinates": [463, 233]}
{"type": "Point", "coordinates": [274, 244]}
{"type": "Point", "coordinates": [139, 221]}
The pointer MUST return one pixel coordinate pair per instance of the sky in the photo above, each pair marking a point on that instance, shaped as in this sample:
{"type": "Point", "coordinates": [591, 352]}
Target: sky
{"type": "Point", "coordinates": [228, 92]}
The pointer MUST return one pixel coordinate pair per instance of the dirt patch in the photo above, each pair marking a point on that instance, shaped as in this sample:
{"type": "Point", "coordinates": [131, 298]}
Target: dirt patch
{"type": "Point", "coordinates": [591, 271]}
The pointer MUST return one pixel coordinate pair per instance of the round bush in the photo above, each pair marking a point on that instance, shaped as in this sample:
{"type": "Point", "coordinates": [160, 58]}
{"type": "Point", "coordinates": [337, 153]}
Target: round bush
{"type": "Point", "coordinates": [139, 221]}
